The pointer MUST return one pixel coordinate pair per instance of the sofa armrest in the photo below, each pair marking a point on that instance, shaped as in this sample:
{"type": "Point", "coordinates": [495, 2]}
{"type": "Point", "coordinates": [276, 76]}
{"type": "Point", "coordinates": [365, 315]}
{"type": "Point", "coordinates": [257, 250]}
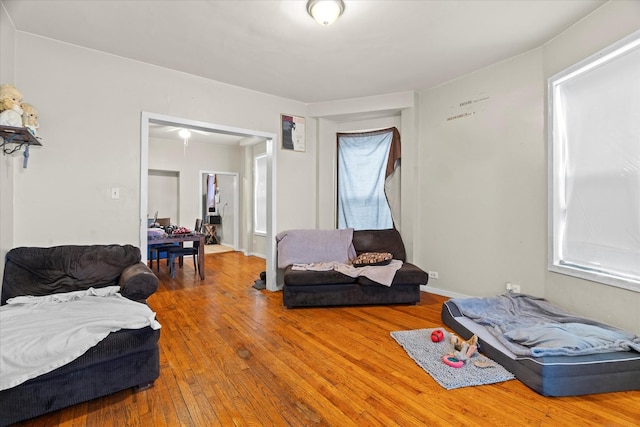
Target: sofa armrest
{"type": "Point", "coordinates": [137, 282]}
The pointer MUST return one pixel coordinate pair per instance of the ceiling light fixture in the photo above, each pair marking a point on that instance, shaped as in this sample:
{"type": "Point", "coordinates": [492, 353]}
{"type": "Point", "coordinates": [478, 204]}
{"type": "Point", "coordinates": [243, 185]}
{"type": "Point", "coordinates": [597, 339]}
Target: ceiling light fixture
{"type": "Point", "coordinates": [325, 12]}
{"type": "Point", "coordinates": [185, 135]}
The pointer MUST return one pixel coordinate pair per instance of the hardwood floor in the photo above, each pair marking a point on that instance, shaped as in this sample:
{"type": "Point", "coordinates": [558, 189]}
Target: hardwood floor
{"type": "Point", "coordinates": [234, 356]}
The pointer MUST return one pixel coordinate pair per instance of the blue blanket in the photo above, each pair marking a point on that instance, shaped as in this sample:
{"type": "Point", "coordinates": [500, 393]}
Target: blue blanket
{"type": "Point", "coordinates": [530, 326]}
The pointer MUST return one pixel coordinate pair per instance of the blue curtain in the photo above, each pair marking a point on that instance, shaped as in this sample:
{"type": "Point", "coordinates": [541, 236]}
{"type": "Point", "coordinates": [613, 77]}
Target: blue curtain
{"type": "Point", "coordinates": [362, 165]}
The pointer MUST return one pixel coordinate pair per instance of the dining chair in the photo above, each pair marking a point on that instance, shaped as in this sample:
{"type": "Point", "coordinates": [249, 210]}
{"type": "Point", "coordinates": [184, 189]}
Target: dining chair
{"type": "Point", "coordinates": [180, 252]}
{"type": "Point", "coordinates": [156, 250]}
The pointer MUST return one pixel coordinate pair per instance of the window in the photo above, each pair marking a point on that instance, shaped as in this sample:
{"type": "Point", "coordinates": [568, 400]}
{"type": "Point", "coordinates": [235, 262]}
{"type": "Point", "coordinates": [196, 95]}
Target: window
{"type": "Point", "coordinates": [260, 194]}
{"type": "Point", "coordinates": [594, 132]}
{"type": "Point", "coordinates": [365, 162]}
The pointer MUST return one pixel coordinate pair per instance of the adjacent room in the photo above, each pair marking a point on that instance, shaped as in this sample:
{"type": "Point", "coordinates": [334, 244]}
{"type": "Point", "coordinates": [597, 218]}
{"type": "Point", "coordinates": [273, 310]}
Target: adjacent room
{"type": "Point", "coordinates": [504, 166]}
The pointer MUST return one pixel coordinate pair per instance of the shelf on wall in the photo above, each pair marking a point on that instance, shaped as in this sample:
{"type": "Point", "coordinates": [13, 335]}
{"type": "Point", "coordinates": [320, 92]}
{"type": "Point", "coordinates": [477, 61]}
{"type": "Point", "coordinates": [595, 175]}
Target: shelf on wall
{"type": "Point", "coordinates": [16, 135]}
{"type": "Point", "coordinates": [21, 137]}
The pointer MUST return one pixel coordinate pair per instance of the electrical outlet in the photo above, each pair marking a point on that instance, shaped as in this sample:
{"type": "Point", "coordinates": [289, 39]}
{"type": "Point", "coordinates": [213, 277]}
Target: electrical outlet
{"type": "Point", "coordinates": [511, 288]}
{"type": "Point", "coordinates": [433, 274]}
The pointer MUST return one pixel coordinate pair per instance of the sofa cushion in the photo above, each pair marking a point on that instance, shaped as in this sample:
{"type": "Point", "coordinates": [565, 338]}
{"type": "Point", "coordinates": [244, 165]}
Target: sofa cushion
{"type": "Point", "coordinates": [379, 241]}
{"type": "Point", "coordinates": [408, 274]}
{"type": "Point", "coordinates": [43, 271]}
{"type": "Point", "coordinates": [309, 277]}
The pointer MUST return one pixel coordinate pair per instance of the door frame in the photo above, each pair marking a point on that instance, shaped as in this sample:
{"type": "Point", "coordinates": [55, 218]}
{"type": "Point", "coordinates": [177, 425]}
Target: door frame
{"type": "Point", "coordinates": [271, 142]}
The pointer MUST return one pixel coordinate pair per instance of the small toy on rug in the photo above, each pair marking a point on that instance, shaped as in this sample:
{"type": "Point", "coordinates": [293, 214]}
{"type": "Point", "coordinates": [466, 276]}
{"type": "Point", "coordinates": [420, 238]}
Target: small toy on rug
{"type": "Point", "coordinates": [484, 364]}
{"type": "Point", "coordinates": [464, 349]}
{"type": "Point", "coordinates": [437, 335]}
{"type": "Point", "coordinates": [452, 361]}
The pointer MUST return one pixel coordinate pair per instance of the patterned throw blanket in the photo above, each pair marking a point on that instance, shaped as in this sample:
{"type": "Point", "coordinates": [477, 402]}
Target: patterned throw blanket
{"type": "Point", "coordinates": [530, 326]}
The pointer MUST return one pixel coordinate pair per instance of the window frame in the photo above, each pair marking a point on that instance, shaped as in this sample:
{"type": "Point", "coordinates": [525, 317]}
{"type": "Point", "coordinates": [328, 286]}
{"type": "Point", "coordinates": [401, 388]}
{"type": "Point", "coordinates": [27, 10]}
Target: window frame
{"type": "Point", "coordinates": [556, 179]}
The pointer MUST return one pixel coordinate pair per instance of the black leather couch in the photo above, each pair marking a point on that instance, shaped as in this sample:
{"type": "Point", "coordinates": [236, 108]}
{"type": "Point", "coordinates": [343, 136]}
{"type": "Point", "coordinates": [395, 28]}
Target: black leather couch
{"type": "Point", "coordinates": [124, 359]}
{"type": "Point", "coordinates": [303, 288]}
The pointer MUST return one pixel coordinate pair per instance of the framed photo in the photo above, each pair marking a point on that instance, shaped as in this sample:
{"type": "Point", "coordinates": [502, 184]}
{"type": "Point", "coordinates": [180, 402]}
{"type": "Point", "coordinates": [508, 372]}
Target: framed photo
{"type": "Point", "coordinates": [293, 131]}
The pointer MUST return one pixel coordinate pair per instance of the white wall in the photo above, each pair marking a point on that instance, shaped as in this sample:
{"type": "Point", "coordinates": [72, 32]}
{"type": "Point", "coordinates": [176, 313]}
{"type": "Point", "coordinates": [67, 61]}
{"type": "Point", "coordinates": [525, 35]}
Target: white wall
{"type": "Point", "coordinates": [482, 187]}
{"type": "Point", "coordinates": [482, 177]}
{"type": "Point", "coordinates": [7, 75]}
{"type": "Point", "coordinates": [90, 105]}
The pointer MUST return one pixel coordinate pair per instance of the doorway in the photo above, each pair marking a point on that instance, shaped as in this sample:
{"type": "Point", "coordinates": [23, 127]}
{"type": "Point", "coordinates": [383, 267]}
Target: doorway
{"type": "Point", "coordinates": [164, 196]}
{"type": "Point", "coordinates": [223, 203]}
{"type": "Point", "coordinates": [150, 119]}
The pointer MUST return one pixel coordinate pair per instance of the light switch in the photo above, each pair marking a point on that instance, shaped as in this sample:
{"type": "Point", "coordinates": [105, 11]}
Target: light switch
{"type": "Point", "coordinates": [115, 193]}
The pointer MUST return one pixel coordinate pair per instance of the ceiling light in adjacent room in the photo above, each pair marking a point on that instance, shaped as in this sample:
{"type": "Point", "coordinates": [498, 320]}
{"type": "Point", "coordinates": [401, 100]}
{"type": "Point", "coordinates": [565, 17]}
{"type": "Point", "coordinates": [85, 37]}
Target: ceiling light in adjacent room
{"type": "Point", "coordinates": [185, 135]}
{"type": "Point", "coordinates": [325, 12]}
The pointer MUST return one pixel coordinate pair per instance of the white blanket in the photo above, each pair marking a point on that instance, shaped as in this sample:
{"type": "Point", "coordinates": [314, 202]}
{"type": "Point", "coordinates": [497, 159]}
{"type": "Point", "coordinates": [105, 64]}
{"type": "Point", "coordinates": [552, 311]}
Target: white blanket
{"type": "Point", "coordinates": [40, 334]}
{"type": "Point", "coordinates": [382, 274]}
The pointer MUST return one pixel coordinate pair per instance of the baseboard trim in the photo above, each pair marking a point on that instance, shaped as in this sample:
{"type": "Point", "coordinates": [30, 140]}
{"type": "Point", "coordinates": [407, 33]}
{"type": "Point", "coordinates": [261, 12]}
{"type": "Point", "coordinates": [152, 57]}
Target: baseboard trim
{"type": "Point", "coordinates": [254, 254]}
{"type": "Point", "coordinates": [442, 292]}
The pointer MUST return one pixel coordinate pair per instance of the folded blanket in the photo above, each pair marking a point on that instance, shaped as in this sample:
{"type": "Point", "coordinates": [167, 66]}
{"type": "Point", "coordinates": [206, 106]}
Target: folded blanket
{"type": "Point", "coordinates": [382, 274]}
{"type": "Point", "coordinates": [40, 334]}
{"type": "Point", "coordinates": [312, 246]}
{"type": "Point", "coordinates": [530, 326]}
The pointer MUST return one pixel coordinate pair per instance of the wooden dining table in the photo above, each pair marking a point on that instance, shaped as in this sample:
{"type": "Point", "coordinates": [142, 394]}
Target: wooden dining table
{"type": "Point", "coordinates": [181, 238]}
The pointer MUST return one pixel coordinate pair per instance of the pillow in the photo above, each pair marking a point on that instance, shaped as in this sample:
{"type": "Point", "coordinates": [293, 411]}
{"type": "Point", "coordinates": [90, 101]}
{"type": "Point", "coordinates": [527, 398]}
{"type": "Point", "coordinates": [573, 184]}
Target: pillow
{"type": "Point", "coordinates": [372, 258]}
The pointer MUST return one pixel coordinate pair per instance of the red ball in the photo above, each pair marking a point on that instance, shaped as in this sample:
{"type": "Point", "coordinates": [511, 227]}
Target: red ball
{"type": "Point", "coordinates": [437, 335]}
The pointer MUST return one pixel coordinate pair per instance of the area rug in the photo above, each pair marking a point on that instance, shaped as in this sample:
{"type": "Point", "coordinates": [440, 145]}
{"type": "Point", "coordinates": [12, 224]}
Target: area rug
{"type": "Point", "coordinates": [428, 355]}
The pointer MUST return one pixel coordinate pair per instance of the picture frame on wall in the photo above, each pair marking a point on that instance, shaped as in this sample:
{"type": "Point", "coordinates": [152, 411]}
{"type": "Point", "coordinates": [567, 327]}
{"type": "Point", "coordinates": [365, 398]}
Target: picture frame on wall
{"type": "Point", "coordinates": [292, 132]}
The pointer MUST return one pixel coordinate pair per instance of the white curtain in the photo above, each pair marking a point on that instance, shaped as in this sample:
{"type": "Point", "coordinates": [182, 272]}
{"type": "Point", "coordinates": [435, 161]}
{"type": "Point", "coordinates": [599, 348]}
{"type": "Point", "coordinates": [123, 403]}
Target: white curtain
{"type": "Point", "coordinates": [598, 167]}
{"type": "Point", "coordinates": [363, 171]}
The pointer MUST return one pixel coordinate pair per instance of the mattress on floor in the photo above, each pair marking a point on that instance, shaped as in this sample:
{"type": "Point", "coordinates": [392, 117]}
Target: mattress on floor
{"type": "Point", "coordinates": [556, 375]}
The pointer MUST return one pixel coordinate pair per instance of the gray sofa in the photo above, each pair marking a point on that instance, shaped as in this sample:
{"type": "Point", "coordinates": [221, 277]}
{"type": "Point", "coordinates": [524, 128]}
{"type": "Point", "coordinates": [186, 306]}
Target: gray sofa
{"type": "Point", "coordinates": [303, 288]}
{"type": "Point", "coordinates": [126, 358]}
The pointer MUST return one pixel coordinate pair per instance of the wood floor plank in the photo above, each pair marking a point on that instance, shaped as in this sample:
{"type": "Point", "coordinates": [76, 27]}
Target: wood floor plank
{"type": "Point", "coordinates": [231, 355]}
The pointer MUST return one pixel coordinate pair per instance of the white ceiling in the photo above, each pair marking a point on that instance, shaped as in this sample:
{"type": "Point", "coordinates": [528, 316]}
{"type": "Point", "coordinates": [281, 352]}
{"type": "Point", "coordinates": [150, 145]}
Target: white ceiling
{"type": "Point", "coordinates": [273, 46]}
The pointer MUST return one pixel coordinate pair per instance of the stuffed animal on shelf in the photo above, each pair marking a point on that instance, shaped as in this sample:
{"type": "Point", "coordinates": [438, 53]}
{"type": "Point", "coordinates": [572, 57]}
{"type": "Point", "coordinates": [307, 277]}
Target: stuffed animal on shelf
{"type": "Point", "coordinates": [10, 110]}
{"type": "Point", "coordinates": [30, 118]}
